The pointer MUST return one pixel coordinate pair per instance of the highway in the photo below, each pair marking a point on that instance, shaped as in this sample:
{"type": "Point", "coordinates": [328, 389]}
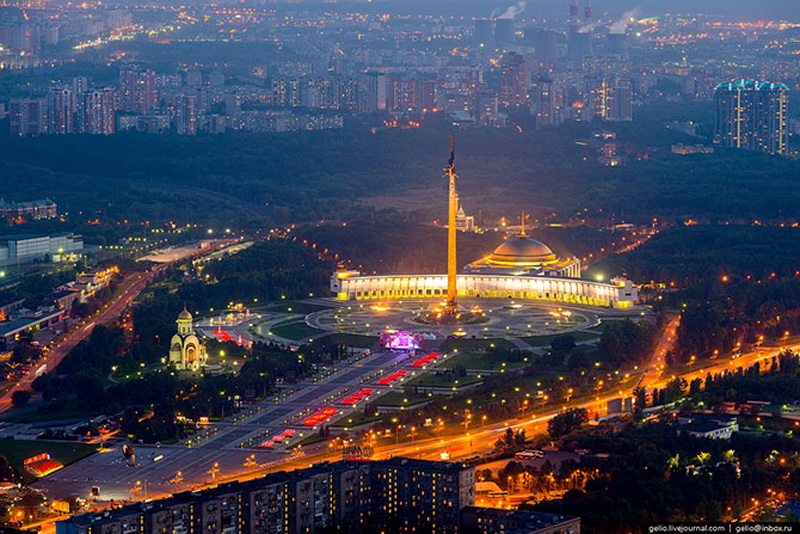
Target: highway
{"type": "Point", "coordinates": [232, 443]}
{"type": "Point", "coordinates": [130, 288]}
{"type": "Point", "coordinates": [164, 470]}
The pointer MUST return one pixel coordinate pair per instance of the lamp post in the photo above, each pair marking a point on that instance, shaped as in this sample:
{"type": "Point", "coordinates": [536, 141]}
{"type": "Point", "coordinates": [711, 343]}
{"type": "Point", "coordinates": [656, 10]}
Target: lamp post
{"type": "Point", "coordinates": [214, 470]}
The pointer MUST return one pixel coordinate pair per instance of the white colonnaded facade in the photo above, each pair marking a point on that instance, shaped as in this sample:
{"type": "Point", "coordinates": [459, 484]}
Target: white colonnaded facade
{"type": "Point", "coordinates": [519, 268]}
{"type": "Point", "coordinates": [351, 285]}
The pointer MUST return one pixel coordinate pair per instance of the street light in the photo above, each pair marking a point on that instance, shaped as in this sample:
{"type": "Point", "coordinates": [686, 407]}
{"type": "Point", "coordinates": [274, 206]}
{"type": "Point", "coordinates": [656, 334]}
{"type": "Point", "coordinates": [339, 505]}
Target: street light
{"type": "Point", "coordinates": [136, 488]}
{"type": "Point", "coordinates": [178, 478]}
{"type": "Point", "coordinates": [214, 470]}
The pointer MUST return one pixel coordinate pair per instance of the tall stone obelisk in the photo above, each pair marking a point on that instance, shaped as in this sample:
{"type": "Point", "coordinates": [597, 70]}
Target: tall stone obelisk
{"type": "Point", "coordinates": [452, 262]}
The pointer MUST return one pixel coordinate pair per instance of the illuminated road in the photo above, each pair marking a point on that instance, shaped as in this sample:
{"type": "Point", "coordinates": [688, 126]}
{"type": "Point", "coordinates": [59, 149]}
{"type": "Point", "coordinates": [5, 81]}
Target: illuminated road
{"type": "Point", "coordinates": [131, 286]}
{"type": "Point", "coordinates": [657, 364]}
{"type": "Point", "coordinates": [159, 467]}
{"type": "Point", "coordinates": [168, 469]}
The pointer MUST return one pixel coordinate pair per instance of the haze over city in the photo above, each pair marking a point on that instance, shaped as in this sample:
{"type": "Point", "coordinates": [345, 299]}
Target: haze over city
{"type": "Point", "coordinates": [519, 267]}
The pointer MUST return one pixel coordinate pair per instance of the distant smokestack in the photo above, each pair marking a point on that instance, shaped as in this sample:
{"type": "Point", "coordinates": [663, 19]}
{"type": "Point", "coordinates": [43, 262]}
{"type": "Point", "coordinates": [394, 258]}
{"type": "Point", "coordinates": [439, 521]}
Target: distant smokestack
{"type": "Point", "coordinates": [573, 20]}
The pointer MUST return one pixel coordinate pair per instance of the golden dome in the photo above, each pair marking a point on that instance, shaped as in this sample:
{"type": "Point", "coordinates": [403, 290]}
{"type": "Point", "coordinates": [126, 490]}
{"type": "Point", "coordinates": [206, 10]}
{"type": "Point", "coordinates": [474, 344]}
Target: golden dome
{"type": "Point", "coordinates": [185, 315]}
{"type": "Point", "coordinates": [522, 251]}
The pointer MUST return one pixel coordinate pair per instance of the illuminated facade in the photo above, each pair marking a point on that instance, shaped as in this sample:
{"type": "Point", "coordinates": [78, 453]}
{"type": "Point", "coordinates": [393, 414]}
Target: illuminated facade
{"type": "Point", "coordinates": [520, 268]}
{"type": "Point", "coordinates": [513, 80]}
{"type": "Point", "coordinates": [96, 112]}
{"type": "Point", "coordinates": [186, 352]}
{"type": "Point", "coordinates": [752, 115]}
{"type": "Point", "coordinates": [60, 111]}
{"type": "Point", "coordinates": [612, 100]}
{"type": "Point", "coordinates": [186, 115]}
{"type": "Point", "coordinates": [350, 285]}
{"type": "Point", "coordinates": [26, 116]}
{"type": "Point", "coordinates": [524, 256]}
{"type": "Point", "coordinates": [137, 89]}
{"type": "Point", "coordinates": [360, 497]}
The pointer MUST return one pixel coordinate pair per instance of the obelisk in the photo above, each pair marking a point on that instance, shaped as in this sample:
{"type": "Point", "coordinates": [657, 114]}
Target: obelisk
{"type": "Point", "coordinates": [452, 262]}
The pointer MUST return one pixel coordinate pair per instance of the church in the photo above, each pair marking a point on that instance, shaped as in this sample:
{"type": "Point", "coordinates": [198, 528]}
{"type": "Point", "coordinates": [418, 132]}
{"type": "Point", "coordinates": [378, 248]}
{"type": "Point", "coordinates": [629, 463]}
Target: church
{"type": "Point", "coordinates": [186, 352]}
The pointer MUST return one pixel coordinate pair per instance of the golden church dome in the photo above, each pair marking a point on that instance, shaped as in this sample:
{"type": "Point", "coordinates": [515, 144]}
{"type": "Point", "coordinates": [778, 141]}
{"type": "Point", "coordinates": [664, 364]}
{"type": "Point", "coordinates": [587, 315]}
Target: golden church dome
{"type": "Point", "coordinates": [185, 315]}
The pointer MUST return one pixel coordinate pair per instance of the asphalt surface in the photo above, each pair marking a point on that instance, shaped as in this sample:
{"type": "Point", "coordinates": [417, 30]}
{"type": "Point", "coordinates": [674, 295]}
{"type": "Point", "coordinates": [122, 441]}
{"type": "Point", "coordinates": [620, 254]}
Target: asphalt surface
{"type": "Point", "coordinates": [160, 471]}
{"type": "Point", "coordinates": [131, 286]}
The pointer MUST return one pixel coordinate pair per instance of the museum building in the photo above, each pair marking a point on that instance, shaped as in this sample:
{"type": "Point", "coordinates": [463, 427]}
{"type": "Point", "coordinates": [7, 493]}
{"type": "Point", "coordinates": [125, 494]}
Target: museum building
{"type": "Point", "coordinates": [519, 268]}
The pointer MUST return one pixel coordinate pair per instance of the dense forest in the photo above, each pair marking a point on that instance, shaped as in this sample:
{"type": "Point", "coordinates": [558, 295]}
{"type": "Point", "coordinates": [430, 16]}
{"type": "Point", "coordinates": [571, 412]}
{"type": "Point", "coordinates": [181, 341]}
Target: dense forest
{"type": "Point", "coordinates": [731, 283]}
{"type": "Point", "coordinates": [308, 176]}
{"type": "Point", "coordinates": [685, 255]}
{"type": "Point", "coordinates": [391, 242]}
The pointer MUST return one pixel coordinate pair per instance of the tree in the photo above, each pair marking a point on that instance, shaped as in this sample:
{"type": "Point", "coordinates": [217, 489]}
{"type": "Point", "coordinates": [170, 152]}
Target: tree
{"type": "Point", "coordinates": [511, 441]}
{"type": "Point", "coordinates": [674, 390]}
{"type": "Point", "coordinates": [562, 344]}
{"type": "Point", "coordinates": [640, 399]}
{"type": "Point", "coordinates": [566, 422]}
{"type": "Point", "coordinates": [20, 397]}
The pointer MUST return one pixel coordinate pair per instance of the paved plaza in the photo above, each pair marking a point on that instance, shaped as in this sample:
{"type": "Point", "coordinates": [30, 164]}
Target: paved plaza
{"type": "Point", "coordinates": [506, 318]}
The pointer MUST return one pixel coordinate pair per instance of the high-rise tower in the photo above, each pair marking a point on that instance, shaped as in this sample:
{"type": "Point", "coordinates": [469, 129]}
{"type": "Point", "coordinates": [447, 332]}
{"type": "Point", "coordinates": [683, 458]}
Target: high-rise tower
{"type": "Point", "coordinates": [513, 80]}
{"type": "Point", "coordinates": [97, 111]}
{"type": "Point", "coordinates": [752, 115]}
{"type": "Point", "coordinates": [60, 111]}
{"type": "Point", "coordinates": [137, 89]}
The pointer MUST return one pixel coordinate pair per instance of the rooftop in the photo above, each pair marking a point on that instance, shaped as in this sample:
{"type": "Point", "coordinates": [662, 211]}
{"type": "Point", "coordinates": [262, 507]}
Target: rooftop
{"type": "Point", "coordinates": [756, 85]}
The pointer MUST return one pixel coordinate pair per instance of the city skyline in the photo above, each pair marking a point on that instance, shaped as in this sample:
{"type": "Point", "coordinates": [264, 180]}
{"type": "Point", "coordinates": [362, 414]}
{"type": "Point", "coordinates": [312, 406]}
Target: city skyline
{"type": "Point", "coordinates": [243, 288]}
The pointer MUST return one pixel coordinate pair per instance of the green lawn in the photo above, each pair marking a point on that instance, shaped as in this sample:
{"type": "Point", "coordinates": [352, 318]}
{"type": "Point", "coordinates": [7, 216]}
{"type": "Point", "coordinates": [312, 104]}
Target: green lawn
{"type": "Point", "coordinates": [475, 344]}
{"type": "Point", "coordinates": [295, 331]}
{"type": "Point", "coordinates": [398, 399]}
{"type": "Point", "coordinates": [478, 360]}
{"type": "Point", "coordinates": [355, 419]}
{"type": "Point", "coordinates": [65, 453]}
{"type": "Point", "coordinates": [543, 341]}
{"type": "Point", "coordinates": [442, 381]}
